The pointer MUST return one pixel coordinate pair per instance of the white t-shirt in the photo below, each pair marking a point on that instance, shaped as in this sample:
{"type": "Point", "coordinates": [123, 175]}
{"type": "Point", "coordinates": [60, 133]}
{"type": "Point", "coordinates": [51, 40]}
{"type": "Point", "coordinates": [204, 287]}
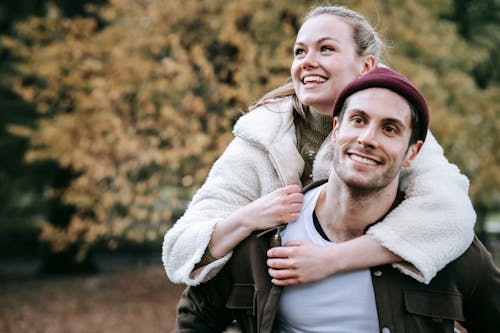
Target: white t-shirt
{"type": "Point", "coordinates": [342, 303]}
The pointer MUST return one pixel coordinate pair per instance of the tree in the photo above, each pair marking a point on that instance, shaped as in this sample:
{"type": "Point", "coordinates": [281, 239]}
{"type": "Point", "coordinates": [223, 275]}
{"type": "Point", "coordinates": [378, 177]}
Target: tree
{"type": "Point", "coordinates": [464, 111]}
{"type": "Point", "coordinates": [139, 108]}
{"type": "Point", "coordinates": [137, 99]}
{"type": "Point", "coordinates": [479, 22]}
{"type": "Point", "coordinates": [21, 194]}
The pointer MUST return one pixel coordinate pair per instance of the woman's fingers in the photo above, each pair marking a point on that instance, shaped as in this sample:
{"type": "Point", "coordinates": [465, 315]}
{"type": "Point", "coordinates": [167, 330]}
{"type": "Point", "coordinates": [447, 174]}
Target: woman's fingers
{"type": "Point", "coordinates": [280, 263]}
{"type": "Point", "coordinates": [284, 251]}
{"type": "Point", "coordinates": [285, 282]}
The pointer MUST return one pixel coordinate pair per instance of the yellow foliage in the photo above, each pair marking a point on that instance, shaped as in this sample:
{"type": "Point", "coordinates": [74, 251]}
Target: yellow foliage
{"type": "Point", "coordinates": [141, 107]}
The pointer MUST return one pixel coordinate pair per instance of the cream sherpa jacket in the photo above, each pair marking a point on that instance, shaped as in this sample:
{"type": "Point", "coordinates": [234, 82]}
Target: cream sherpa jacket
{"type": "Point", "coordinates": [433, 225]}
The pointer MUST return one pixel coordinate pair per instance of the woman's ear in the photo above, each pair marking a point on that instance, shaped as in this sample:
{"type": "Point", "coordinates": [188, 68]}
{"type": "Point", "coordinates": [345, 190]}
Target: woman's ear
{"type": "Point", "coordinates": [412, 152]}
{"type": "Point", "coordinates": [368, 64]}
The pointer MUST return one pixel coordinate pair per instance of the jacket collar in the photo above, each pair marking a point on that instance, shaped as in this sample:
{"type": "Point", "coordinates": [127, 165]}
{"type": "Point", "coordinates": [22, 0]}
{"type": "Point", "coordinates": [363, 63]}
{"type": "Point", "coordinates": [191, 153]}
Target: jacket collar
{"type": "Point", "coordinates": [267, 123]}
{"type": "Point", "coordinates": [271, 128]}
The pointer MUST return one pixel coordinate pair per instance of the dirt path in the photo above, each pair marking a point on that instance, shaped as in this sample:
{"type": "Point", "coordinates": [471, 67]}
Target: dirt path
{"type": "Point", "coordinates": [127, 300]}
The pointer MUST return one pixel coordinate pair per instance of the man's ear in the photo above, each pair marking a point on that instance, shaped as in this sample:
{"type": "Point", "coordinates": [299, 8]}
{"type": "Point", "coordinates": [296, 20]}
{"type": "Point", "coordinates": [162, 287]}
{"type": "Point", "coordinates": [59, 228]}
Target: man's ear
{"type": "Point", "coordinates": [412, 152]}
{"type": "Point", "coordinates": [335, 129]}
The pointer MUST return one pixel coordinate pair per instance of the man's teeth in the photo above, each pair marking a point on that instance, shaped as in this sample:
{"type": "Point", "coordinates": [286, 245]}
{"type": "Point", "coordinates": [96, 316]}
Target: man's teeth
{"type": "Point", "coordinates": [360, 159]}
{"type": "Point", "coordinates": [316, 79]}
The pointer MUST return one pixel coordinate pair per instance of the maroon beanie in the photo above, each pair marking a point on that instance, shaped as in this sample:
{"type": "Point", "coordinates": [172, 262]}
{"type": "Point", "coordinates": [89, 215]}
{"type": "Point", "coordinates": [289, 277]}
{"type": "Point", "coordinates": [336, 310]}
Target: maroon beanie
{"type": "Point", "coordinates": [389, 79]}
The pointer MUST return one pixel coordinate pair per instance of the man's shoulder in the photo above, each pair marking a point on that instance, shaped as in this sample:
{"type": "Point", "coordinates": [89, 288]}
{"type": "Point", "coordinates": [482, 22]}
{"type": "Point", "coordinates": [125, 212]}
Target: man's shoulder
{"type": "Point", "coordinates": [468, 269]}
{"type": "Point", "coordinates": [461, 274]}
{"type": "Point", "coordinates": [476, 255]}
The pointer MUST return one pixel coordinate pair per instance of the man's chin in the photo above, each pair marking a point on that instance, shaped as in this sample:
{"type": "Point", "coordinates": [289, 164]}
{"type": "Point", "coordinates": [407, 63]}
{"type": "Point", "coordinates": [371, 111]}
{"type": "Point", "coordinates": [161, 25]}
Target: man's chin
{"type": "Point", "coordinates": [358, 184]}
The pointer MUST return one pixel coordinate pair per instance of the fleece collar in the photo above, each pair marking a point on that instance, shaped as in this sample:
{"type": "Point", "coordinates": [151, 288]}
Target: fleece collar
{"type": "Point", "coordinates": [266, 124]}
{"type": "Point", "coordinates": [271, 128]}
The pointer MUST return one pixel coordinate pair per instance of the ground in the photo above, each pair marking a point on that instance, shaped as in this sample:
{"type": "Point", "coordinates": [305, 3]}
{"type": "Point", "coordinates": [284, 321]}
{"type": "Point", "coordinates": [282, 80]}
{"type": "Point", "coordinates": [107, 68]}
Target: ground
{"type": "Point", "coordinates": [128, 296]}
{"type": "Point", "coordinates": [128, 300]}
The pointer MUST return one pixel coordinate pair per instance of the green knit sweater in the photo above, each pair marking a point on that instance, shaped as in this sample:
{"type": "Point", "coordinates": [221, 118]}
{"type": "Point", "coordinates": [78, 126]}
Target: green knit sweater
{"type": "Point", "coordinates": [311, 132]}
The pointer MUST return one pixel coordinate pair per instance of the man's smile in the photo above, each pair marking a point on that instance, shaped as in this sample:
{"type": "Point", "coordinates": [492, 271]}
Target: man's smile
{"type": "Point", "coordinates": [362, 159]}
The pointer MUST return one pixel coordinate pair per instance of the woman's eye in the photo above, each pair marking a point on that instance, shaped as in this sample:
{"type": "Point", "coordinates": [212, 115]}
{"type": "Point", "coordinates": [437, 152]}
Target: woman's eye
{"type": "Point", "coordinates": [327, 48]}
{"type": "Point", "coordinates": [298, 52]}
{"type": "Point", "coordinates": [357, 120]}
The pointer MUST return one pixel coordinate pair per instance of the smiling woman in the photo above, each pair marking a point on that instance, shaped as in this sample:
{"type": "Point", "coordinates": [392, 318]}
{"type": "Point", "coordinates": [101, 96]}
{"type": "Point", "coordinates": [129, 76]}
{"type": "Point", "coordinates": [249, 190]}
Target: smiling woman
{"type": "Point", "coordinates": [285, 143]}
{"type": "Point", "coordinates": [326, 62]}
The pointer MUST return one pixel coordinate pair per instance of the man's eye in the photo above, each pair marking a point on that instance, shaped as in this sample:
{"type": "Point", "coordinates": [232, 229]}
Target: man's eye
{"type": "Point", "coordinates": [390, 129]}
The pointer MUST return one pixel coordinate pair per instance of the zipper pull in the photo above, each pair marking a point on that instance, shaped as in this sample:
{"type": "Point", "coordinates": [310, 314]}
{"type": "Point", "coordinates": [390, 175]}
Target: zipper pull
{"type": "Point", "coordinates": [276, 239]}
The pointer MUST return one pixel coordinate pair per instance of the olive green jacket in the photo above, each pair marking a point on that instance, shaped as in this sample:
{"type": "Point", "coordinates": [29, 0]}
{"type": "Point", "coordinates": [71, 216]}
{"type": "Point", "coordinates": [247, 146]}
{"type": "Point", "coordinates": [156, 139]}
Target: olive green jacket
{"type": "Point", "coordinates": [467, 290]}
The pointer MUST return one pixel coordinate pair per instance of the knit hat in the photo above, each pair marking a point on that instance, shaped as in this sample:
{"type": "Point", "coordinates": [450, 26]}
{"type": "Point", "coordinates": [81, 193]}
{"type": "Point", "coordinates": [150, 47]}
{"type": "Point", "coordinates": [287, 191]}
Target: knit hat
{"type": "Point", "coordinates": [389, 79]}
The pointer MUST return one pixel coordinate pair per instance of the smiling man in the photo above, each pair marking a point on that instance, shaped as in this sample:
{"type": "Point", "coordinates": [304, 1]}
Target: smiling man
{"type": "Point", "coordinates": [380, 123]}
{"type": "Point", "coordinates": [373, 135]}
{"type": "Point", "coordinates": [372, 146]}
{"type": "Point", "coordinates": [376, 133]}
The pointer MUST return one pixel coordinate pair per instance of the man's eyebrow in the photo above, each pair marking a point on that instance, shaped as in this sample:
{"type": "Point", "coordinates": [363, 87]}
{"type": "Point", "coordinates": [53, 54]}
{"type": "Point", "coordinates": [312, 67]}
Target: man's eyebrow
{"type": "Point", "coordinates": [394, 121]}
{"type": "Point", "coordinates": [359, 112]}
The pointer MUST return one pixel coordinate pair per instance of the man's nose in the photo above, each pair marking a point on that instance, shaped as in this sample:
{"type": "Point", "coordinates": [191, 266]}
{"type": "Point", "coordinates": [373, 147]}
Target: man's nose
{"type": "Point", "coordinates": [368, 137]}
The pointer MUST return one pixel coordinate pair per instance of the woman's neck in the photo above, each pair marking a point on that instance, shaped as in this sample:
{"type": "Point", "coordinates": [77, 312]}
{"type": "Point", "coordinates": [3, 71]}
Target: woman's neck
{"type": "Point", "coordinates": [311, 133]}
{"type": "Point", "coordinates": [319, 122]}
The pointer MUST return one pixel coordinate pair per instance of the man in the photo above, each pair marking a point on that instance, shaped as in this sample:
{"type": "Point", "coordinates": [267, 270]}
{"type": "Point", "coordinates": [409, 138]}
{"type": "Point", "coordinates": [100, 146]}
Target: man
{"type": "Point", "coordinates": [380, 123]}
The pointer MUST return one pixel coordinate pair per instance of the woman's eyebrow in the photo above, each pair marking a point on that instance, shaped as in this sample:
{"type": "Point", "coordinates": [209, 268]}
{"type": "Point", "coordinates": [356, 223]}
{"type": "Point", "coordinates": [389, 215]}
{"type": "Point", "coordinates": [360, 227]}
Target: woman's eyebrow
{"type": "Point", "coordinates": [333, 39]}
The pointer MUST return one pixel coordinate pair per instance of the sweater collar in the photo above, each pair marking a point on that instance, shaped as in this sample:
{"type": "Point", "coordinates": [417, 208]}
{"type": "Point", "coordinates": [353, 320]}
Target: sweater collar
{"type": "Point", "coordinates": [319, 123]}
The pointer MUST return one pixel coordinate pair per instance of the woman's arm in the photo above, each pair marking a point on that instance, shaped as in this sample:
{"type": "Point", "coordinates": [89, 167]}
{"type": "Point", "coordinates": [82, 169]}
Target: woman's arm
{"type": "Point", "coordinates": [302, 262]}
{"type": "Point", "coordinates": [278, 207]}
{"type": "Point", "coordinates": [435, 223]}
{"type": "Point", "coordinates": [430, 228]}
{"type": "Point", "coordinates": [225, 205]}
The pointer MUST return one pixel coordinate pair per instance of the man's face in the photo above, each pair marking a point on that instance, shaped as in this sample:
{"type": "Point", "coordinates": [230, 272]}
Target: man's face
{"type": "Point", "coordinates": [371, 141]}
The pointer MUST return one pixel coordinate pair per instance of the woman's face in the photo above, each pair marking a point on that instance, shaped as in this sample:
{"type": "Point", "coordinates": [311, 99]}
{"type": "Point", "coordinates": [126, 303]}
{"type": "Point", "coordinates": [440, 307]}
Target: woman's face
{"type": "Point", "coordinates": [325, 60]}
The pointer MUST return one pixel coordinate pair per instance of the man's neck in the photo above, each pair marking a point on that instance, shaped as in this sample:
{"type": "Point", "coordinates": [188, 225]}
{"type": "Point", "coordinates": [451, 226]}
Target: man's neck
{"type": "Point", "coordinates": [344, 214]}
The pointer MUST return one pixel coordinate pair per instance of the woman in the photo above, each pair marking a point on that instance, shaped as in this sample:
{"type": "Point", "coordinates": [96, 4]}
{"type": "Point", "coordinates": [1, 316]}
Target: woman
{"type": "Point", "coordinates": [284, 143]}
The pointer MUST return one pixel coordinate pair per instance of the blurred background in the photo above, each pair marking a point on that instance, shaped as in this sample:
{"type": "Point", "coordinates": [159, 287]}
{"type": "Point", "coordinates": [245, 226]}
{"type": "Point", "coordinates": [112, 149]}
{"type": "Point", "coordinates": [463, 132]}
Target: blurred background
{"type": "Point", "coordinates": [112, 112]}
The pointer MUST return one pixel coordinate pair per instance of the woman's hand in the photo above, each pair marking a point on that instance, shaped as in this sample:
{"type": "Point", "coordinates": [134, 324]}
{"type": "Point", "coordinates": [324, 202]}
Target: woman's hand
{"type": "Point", "coordinates": [300, 262]}
{"type": "Point", "coordinates": [278, 207]}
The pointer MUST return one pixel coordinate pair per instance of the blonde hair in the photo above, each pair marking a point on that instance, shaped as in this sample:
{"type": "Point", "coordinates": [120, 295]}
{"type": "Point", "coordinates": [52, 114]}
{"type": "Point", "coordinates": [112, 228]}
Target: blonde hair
{"type": "Point", "coordinates": [366, 39]}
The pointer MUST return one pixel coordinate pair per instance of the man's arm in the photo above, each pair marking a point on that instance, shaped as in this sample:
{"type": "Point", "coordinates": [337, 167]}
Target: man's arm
{"type": "Point", "coordinates": [482, 305]}
{"type": "Point", "coordinates": [202, 309]}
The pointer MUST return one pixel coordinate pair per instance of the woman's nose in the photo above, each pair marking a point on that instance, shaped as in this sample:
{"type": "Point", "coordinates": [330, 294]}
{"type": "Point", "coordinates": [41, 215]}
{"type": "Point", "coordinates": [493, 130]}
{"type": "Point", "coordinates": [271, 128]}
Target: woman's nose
{"type": "Point", "coordinates": [310, 60]}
